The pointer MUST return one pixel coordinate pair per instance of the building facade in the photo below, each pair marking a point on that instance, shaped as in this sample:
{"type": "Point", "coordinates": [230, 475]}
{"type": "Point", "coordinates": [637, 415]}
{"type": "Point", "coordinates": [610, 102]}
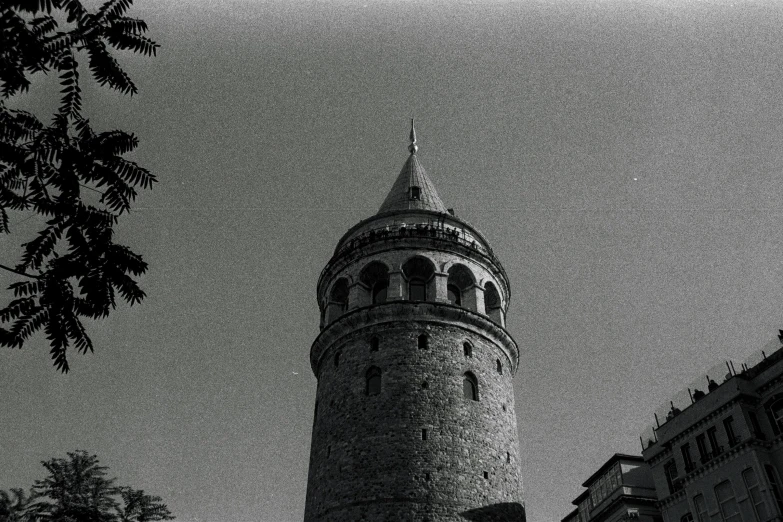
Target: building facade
{"type": "Point", "coordinates": [621, 490]}
{"type": "Point", "coordinates": [414, 416]}
{"type": "Point", "coordinates": [718, 457]}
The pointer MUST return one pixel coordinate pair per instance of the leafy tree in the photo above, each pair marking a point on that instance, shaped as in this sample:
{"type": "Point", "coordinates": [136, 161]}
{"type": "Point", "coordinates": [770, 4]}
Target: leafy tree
{"type": "Point", "coordinates": [13, 507]}
{"type": "Point", "coordinates": [73, 177]}
{"type": "Point", "coordinates": [76, 490]}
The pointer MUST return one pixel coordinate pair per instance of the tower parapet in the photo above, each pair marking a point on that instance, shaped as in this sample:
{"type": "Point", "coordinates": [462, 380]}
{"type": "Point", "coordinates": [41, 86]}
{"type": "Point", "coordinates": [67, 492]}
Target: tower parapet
{"type": "Point", "coordinates": [414, 416]}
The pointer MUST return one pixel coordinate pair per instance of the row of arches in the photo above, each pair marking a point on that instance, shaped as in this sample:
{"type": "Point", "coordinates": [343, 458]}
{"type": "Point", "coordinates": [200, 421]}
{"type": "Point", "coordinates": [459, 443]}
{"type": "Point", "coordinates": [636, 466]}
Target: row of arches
{"type": "Point", "coordinates": [417, 280]}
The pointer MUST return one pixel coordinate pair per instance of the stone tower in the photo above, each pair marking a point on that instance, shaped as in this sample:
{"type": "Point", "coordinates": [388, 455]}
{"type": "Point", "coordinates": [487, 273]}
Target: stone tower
{"type": "Point", "coordinates": [414, 413]}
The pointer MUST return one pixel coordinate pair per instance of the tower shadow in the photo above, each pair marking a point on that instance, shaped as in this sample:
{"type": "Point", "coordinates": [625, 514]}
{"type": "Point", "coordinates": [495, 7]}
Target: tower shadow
{"type": "Point", "coordinates": [503, 512]}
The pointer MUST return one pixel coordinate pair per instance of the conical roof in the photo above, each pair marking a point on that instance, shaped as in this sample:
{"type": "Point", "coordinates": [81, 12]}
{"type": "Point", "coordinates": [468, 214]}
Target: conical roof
{"type": "Point", "coordinates": [413, 189]}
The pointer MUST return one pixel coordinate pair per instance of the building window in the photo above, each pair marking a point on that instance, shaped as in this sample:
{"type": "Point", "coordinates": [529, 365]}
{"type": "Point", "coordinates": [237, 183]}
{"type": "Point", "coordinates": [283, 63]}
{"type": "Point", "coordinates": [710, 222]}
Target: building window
{"type": "Point", "coordinates": [728, 424]}
{"type": "Point", "coordinates": [415, 193]}
{"type": "Point", "coordinates": [418, 271]}
{"type": "Point", "coordinates": [701, 444]}
{"type": "Point", "coordinates": [685, 449]}
{"type": "Point", "coordinates": [470, 387]}
{"type": "Point", "coordinates": [712, 436]}
{"type": "Point", "coordinates": [729, 509]}
{"type": "Point", "coordinates": [379, 293]}
{"type": "Point", "coordinates": [454, 295]}
{"type": "Point", "coordinates": [687, 517]}
{"type": "Point", "coordinates": [461, 287]}
{"type": "Point", "coordinates": [754, 492]}
{"type": "Point", "coordinates": [670, 470]}
{"type": "Point", "coordinates": [423, 342]}
{"type": "Point", "coordinates": [337, 359]}
{"type": "Point", "coordinates": [424, 434]}
{"type": "Point", "coordinates": [775, 412]}
{"type": "Point", "coordinates": [375, 344]}
{"type": "Point", "coordinates": [338, 300]}
{"type": "Point", "coordinates": [701, 509]}
{"type": "Point", "coordinates": [375, 277]}
{"type": "Point", "coordinates": [754, 422]}
{"type": "Point", "coordinates": [373, 381]}
{"type": "Point", "coordinates": [467, 349]}
{"type": "Point", "coordinates": [772, 476]}
{"type": "Point", "coordinates": [499, 366]}
{"type": "Point", "coordinates": [417, 289]}
{"type": "Point", "coordinates": [492, 303]}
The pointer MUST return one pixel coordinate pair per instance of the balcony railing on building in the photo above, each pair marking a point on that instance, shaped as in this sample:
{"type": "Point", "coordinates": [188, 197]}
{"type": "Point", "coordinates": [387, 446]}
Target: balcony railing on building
{"type": "Point", "coordinates": [706, 383]}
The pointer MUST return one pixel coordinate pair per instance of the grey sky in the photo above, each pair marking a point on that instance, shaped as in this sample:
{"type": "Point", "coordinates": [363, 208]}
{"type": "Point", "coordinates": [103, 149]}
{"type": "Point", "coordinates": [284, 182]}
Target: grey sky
{"type": "Point", "coordinates": [623, 158]}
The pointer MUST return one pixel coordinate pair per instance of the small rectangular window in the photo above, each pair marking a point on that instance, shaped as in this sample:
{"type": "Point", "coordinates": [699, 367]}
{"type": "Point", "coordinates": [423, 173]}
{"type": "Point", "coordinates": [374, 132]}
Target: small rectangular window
{"type": "Point", "coordinates": [754, 422]}
{"type": "Point", "coordinates": [415, 193]}
{"type": "Point", "coordinates": [424, 434]}
{"type": "Point", "coordinates": [670, 470]}
{"type": "Point", "coordinates": [728, 424]}
{"type": "Point", "coordinates": [712, 435]}
{"type": "Point", "coordinates": [486, 475]}
{"type": "Point", "coordinates": [701, 444]}
{"type": "Point", "coordinates": [685, 449]}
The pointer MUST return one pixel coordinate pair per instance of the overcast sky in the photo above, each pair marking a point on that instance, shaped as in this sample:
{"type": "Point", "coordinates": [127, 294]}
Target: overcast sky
{"type": "Point", "coordinates": [623, 158]}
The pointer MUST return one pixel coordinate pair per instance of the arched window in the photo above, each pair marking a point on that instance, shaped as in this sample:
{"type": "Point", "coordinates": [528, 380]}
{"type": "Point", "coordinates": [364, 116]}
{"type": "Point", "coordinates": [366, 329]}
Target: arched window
{"type": "Point", "coordinates": [500, 367]}
{"type": "Point", "coordinates": [467, 349]}
{"type": "Point", "coordinates": [687, 517]}
{"type": "Point", "coordinates": [419, 272]}
{"type": "Point", "coordinates": [417, 289]}
{"type": "Point", "coordinates": [423, 342]}
{"type": "Point", "coordinates": [373, 381]}
{"type": "Point", "coordinates": [727, 503]}
{"type": "Point", "coordinates": [379, 292]}
{"type": "Point", "coordinates": [454, 294]}
{"type": "Point", "coordinates": [338, 300]}
{"type": "Point", "coordinates": [375, 344]}
{"type": "Point", "coordinates": [461, 287]}
{"type": "Point", "coordinates": [492, 303]}
{"type": "Point", "coordinates": [375, 276]}
{"type": "Point", "coordinates": [470, 386]}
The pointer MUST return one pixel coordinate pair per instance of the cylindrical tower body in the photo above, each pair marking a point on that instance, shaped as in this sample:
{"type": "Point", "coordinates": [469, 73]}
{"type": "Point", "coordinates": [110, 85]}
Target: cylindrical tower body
{"type": "Point", "coordinates": [414, 416]}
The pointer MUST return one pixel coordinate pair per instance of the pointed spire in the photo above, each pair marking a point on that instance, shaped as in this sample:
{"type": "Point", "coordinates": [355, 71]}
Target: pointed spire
{"type": "Point", "coordinates": [413, 189]}
{"type": "Point", "coordinates": [413, 147]}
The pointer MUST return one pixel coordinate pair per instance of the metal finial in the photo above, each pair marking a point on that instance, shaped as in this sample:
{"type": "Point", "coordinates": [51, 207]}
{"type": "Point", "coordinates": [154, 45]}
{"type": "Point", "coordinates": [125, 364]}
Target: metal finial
{"type": "Point", "coordinates": [413, 147]}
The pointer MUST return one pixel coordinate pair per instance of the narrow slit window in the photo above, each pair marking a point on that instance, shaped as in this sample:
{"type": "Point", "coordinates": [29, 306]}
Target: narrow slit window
{"type": "Point", "coordinates": [467, 349]}
{"type": "Point", "coordinates": [375, 344]}
{"type": "Point", "coordinates": [423, 342]}
{"type": "Point", "coordinates": [337, 359]}
{"type": "Point", "coordinates": [424, 434]}
{"type": "Point", "coordinates": [500, 367]}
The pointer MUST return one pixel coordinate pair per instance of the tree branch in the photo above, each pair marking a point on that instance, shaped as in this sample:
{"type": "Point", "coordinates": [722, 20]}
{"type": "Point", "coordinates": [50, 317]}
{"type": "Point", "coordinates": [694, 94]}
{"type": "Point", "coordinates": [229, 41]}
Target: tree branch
{"type": "Point", "coordinates": [19, 272]}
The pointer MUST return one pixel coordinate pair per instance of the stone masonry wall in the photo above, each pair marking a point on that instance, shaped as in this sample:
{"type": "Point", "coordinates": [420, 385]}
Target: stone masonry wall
{"type": "Point", "coordinates": [368, 458]}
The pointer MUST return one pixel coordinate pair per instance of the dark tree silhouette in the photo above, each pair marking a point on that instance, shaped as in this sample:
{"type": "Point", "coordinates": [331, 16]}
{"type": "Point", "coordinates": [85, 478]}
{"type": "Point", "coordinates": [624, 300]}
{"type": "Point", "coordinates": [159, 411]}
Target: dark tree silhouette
{"type": "Point", "coordinates": [13, 507]}
{"type": "Point", "coordinates": [74, 178]}
{"type": "Point", "coordinates": [76, 490]}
